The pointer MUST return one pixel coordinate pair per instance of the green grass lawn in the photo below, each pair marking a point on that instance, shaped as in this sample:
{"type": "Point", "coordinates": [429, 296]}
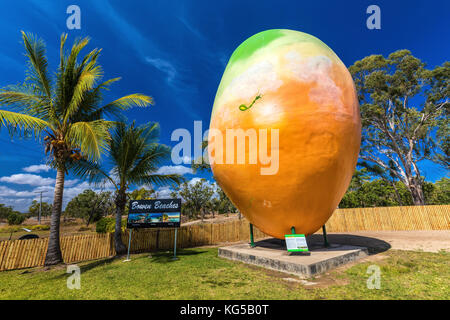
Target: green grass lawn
{"type": "Point", "coordinates": [200, 274]}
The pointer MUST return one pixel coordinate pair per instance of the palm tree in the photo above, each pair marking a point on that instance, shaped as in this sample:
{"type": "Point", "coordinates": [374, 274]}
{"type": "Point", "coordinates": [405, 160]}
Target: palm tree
{"type": "Point", "coordinates": [67, 109]}
{"type": "Point", "coordinates": [136, 157]}
{"type": "Point", "coordinates": [142, 194]}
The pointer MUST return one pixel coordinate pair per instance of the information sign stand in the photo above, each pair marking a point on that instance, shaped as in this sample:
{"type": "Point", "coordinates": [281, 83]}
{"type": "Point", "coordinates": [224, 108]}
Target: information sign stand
{"type": "Point", "coordinates": [175, 246]}
{"type": "Point", "coordinates": [156, 213]}
{"type": "Point", "coordinates": [129, 246]}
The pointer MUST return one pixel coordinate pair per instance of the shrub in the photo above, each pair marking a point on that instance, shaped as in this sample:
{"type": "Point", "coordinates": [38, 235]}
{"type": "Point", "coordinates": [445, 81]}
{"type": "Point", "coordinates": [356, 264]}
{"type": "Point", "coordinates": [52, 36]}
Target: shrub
{"type": "Point", "coordinates": [15, 218]}
{"type": "Point", "coordinates": [18, 229]}
{"type": "Point", "coordinates": [39, 227]}
{"type": "Point", "coordinates": [106, 224]}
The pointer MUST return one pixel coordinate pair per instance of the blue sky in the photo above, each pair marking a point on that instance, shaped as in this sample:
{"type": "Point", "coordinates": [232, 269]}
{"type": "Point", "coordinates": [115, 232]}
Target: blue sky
{"type": "Point", "coordinates": [176, 51]}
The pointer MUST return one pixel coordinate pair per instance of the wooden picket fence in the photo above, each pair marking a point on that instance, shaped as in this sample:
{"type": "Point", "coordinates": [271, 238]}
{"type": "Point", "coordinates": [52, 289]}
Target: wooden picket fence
{"type": "Point", "coordinates": [18, 254]}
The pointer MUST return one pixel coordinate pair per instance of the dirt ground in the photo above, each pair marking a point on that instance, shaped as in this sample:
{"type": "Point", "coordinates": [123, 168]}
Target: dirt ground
{"type": "Point", "coordinates": [425, 240]}
{"type": "Point", "coordinates": [209, 219]}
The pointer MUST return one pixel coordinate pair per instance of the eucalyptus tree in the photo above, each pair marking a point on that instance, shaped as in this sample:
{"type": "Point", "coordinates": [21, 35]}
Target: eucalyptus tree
{"type": "Point", "coordinates": [135, 156]}
{"type": "Point", "coordinates": [36, 207]}
{"type": "Point", "coordinates": [222, 204]}
{"type": "Point", "coordinates": [402, 104]}
{"type": "Point", "coordinates": [89, 205]}
{"type": "Point", "coordinates": [65, 113]}
{"type": "Point", "coordinates": [196, 196]}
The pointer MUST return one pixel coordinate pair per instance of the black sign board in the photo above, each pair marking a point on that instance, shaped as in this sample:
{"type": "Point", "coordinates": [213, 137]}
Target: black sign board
{"type": "Point", "coordinates": [159, 213]}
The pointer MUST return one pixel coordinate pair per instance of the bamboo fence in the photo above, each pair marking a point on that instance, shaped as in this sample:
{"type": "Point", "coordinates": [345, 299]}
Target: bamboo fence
{"type": "Point", "coordinates": [19, 254]}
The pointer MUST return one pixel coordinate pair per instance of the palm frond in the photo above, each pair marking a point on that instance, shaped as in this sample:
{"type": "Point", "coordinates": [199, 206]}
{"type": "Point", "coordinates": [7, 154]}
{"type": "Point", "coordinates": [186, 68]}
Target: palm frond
{"type": "Point", "coordinates": [90, 171]}
{"type": "Point", "coordinates": [61, 51]}
{"type": "Point", "coordinates": [149, 162]}
{"type": "Point", "coordinates": [150, 133]}
{"type": "Point", "coordinates": [162, 179]}
{"type": "Point", "coordinates": [23, 95]}
{"type": "Point", "coordinates": [83, 79]}
{"type": "Point", "coordinates": [89, 109]}
{"type": "Point", "coordinates": [78, 45]}
{"type": "Point", "coordinates": [23, 99]}
{"type": "Point", "coordinates": [68, 74]}
{"type": "Point", "coordinates": [37, 64]}
{"type": "Point", "coordinates": [136, 99]}
{"type": "Point", "coordinates": [90, 137]}
{"type": "Point", "coordinates": [18, 122]}
{"type": "Point", "coordinates": [86, 82]}
{"type": "Point", "coordinates": [137, 156]}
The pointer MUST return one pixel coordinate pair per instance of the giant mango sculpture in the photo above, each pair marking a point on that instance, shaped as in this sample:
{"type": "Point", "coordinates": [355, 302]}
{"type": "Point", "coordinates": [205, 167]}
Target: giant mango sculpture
{"type": "Point", "coordinates": [288, 94]}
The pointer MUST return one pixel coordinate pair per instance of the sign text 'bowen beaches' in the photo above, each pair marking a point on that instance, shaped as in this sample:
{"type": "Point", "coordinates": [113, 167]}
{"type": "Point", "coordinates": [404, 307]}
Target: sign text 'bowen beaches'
{"type": "Point", "coordinates": [159, 205]}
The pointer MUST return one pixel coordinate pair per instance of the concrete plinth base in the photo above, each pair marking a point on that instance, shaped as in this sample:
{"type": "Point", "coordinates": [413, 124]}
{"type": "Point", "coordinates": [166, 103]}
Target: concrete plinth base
{"type": "Point", "coordinates": [272, 254]}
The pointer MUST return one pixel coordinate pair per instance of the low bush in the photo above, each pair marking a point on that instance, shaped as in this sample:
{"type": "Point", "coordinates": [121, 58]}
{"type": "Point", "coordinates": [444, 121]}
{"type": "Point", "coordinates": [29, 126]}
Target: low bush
{"type": "Point", "coordinates": [108, 224]}
{"type": "Point", "coordinates": [18, 229]}
{"type": "Point", "coordinates": [15, 218]}
{"type": "Point", "coordinates": [39, 227]}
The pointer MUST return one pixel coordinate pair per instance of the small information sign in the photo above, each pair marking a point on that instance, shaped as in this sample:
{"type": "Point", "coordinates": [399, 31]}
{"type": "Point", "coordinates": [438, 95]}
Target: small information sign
{"type": "Point", "coordinates": [296, 242]}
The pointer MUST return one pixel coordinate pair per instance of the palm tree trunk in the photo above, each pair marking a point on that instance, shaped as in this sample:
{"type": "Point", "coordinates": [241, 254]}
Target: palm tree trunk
{"type": "Point", "coordinates": [120, 208]}
{"type": "Point", "coordinates": [54, 255]}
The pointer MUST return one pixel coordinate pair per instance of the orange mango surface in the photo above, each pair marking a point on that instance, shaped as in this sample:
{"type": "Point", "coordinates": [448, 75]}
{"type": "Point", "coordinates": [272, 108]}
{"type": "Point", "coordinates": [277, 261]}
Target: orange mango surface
{"type": "Point", "coordinates": [308, 97]}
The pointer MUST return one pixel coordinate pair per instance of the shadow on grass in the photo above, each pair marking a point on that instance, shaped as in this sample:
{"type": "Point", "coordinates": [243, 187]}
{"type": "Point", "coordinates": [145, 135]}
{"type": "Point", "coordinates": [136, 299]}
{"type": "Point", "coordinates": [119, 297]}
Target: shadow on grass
{"type": "Point", "coordinates": [88, 266]}
{"type": "Point", "coordinates": [97, 263]}
{"type": "Point", "coordinates": [167, 256]}
{"type": "Point", "coordinates": [157, 257]}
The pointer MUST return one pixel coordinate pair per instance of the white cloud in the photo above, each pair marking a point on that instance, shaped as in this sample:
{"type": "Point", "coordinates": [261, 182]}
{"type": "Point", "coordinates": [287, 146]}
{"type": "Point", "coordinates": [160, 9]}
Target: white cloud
{"type": "Point", "coordinates": [21, 200]}
{"type": "Point", "coordinates": [69, 183]}
{"type": "Point", "coordinates": [19, 204]}
{"type": "Point", "coordinates": [181, 170]}
{"type": "Point", "coordinates": [37, 168]}
{"type": "Point", "coordinates": [44, 188]}
{"type": "Point", "coordinates": [197, 179]}
{"type": "Point", "coordinates": [29, 179]}
{"type": "Point", "coordinates": [164, 192]}
{"type": "Point", "coordinates": [191, 28]}
{"type": "Point", "coordinates": [71, 192]}
{"type": "Point", "coordinates": [7, 192]}
{"type": "Point", "coordinates": [163, 66]}
{"type": "Point", "coordinates": [194, 180]}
